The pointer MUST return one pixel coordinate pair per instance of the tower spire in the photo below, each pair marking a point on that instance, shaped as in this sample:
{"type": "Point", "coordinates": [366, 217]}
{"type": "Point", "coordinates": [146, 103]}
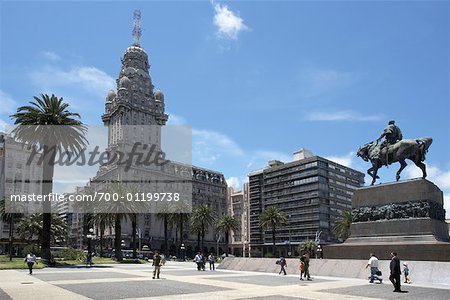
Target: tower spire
{"type": "Point", "coordinates": [136, 27]}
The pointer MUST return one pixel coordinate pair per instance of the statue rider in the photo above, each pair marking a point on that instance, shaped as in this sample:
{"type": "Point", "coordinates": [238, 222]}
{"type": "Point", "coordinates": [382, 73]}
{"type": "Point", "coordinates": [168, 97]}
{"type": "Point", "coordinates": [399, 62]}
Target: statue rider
{"type": "Point", "coordinates": [392, 134]}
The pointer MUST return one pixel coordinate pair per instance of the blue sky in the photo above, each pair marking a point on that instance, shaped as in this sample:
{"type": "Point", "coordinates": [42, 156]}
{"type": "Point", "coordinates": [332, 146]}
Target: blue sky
{"type": "Point", "coordinates": [255, 80]}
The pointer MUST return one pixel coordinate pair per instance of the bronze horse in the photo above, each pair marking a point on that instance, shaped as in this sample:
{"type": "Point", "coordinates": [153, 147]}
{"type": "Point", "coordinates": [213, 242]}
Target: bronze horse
{"type": "Point", "coordinates": [413, 150]}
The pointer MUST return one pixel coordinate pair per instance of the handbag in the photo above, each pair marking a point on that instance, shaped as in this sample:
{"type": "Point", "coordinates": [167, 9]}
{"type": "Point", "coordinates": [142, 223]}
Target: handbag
{"type": "Point", "coordinates": [379, 273]}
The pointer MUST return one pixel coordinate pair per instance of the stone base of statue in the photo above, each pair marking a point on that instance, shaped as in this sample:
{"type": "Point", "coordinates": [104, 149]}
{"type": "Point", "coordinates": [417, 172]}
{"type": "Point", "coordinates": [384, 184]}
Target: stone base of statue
{"type": "Point", "coordinates": [406, 217]}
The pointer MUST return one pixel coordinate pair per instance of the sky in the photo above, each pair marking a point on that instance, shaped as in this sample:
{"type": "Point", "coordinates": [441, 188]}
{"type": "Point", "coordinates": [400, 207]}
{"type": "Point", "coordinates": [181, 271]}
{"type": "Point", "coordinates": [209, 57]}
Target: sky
{"type": "Point", "coordinates": [256, 80]}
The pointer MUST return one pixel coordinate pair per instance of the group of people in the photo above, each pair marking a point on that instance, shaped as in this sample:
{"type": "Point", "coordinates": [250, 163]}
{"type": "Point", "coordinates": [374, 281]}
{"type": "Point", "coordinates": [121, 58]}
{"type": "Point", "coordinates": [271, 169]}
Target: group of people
{"type": "Point", "coordinates": [303, 266]}
{"type": "Point", "coordinates": [395, 271]}
{"type": "Point", "coordinates": [200, 259]}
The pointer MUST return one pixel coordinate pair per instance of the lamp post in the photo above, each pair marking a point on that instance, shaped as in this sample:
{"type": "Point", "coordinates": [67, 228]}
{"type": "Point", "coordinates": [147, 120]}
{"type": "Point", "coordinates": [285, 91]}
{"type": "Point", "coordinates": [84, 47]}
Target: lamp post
{"type": "Point", "coordinates": [89, 237]}
{"type": "Point", "coordinates": [182, 251]}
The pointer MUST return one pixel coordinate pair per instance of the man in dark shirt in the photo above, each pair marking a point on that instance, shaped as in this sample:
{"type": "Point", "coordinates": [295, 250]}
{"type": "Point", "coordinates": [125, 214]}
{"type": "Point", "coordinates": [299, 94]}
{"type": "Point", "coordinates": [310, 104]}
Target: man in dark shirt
{"type": "Point", "coordinates": [395, 272]}
{"type": "Point", "coordinates": [157, 262]}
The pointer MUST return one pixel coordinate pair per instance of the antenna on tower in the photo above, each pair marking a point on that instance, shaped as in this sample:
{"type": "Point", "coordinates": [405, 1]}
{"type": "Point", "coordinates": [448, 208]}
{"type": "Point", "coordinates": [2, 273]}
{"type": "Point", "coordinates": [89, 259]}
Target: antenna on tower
{"type": "Point", "coordinates": [136, 27]}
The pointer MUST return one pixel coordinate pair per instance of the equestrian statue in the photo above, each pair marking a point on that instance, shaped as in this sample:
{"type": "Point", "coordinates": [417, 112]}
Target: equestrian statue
{"type": "Point", "coordinates": [394, 149]}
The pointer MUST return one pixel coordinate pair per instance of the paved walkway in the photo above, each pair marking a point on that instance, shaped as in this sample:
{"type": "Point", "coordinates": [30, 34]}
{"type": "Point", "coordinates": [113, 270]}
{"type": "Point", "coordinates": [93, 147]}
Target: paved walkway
{"type": "Point", "coordinates": [183, 281]}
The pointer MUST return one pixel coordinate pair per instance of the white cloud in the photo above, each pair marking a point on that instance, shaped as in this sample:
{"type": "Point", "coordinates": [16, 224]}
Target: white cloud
{"type": "Point", "coordinates": [228, 23]}
{"type": "Point", "coordinates": [7, 103]}
{"type": "Point", "coordinates": [88, 78]}
{"type": "Point", "coordinates": [435, 174]}
{"type": "Point", "coordinates": [316, 82]}
{"type": "Point", "coordinates": [447, 205]}
{"type": "Point", "coordinates": [3, 125]}
{"type": "Point", "coordinates": [49, 55]}
{"type": "Point", "coordinates": [176, 119]}
{"type": "Point", "coordinates": [234, 182]}
{"type": "Point", "coordinates": [345, 160]}
{"type": "Point", "coordinates": [344, 115]}
{"type": "Point", "coordinates": [209, 146]}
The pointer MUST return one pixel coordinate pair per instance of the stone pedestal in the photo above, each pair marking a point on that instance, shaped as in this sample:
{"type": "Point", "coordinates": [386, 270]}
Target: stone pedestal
{"type": "Point", "coordinates": [406, 217]}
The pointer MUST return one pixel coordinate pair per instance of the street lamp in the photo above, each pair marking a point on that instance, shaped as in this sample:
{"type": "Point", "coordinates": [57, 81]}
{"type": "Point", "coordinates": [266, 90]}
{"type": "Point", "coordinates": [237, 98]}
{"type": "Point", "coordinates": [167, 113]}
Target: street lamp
{"type": "Point", "coordinates": [89, 237]}
{"type": "Point", "coordinates": [182, 251]}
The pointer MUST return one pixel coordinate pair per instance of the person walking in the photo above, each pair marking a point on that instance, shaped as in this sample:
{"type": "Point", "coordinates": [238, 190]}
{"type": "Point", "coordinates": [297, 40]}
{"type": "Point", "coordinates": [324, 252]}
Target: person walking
{"type": "Point", "coordinates": [157, 263]}
{"type": "Point", "coordinates": [395, 272]}
{"type": "Point", "coordinates": [282, 264]}
{"type": "Point", "coordinates": [30, 260]}
{"type": "Point", "coordinates": [373, 264]}
{"type": "Point", "coordinates": [406, 273]}
{"type": "Point", "coordinates": [212, 261]}
{"type": "Point", "coordinates": [198, 260]}
{"type": "Point", "coordinates": [203, 261]}
{"type": "Point", "coordinates": [307, 276]}
{"type": "Point", "coordinates": [301, 267]}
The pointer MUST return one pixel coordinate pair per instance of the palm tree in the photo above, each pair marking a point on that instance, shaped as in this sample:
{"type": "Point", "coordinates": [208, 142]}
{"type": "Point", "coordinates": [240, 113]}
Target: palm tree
{"type": "Point", "coordinates": [225, 225]}
{"type": "Point", "coordinates": [164, 215]}
{"type": "Point", "coordinates": [11, 218]}
{"type": "Point", "coordinates": [34, 226]}
{"type": "Point", "coordinates": [120, 210]}
{"type": "Point", "coordinates": [308, 246]}
{"type": "Point", "coordinates": [102, 221]}
{"type": "Point", "coordinates": [342, 227]}
{"type": "Point", "coordinates": [179, 217]}
{"type": "Point", "coordinates": [271, 218]}
{"type": "Point", "coordinates": [201, 218]}
{"type": "Point", "coordinates": [35, 120]}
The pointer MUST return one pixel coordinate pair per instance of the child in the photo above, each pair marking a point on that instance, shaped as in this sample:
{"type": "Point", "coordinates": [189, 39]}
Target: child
{"type": "Point", "coordinates": [406, 273]}
{"type": "Point", "coordinates": [301, 267]}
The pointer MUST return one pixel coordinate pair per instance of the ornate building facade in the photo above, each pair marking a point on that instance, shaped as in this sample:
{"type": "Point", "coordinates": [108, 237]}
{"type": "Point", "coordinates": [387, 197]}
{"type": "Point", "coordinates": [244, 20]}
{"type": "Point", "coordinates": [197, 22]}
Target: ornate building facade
{"type": "Point", "coordinates": [134, 114]}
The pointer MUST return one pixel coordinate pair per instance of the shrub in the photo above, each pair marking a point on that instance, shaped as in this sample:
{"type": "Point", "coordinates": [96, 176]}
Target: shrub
{"type": "Point", "coordinates": [32, 248]}
{"type": "Point", "coordinates": [70, 254]}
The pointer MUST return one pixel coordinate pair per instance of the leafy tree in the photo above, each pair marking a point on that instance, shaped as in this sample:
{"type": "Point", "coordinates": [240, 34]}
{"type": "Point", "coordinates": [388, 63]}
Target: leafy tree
{"type": "Point", "coordinates": [35, 120]}
{"type": "Point", "coordinates": [271, 218]}
{"type": "Point", "coordinates": [225, 225]}
{"type": "Point", "coordinates": [33, 226]}
{"type": "Point", "coordinates": [164, 215]}
{"type": "Point", "coordinates": [102, 221]}
{"type": "Point", "coordinates": [11, 219]}
{"type": "Point", "coordinates": [308, 246]}
{"type": "Point", "coordinates": [202, 217]}
{"type": "Point", "coordinates": [342, 227]}
{"type": "Point", "coordinates": [120, 210]}
{"type": "Point", "coordinates": [179, 217]}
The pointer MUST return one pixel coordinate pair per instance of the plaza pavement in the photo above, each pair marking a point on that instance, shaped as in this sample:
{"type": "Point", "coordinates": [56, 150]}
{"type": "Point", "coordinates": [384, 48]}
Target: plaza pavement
{"type": "Point", "coordinates": [182, 281]}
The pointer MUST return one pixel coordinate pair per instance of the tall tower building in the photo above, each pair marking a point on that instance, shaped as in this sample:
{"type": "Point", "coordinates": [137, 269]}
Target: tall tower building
{"type": "Point", "coordinates": [135, 113]}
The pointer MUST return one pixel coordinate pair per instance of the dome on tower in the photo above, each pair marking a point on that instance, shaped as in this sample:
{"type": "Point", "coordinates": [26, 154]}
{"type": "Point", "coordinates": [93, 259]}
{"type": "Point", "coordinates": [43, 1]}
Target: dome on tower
{"type": "Point", "coordinates": [159, 95]}
{"type": "Point", "coordinates": [110, 96]}
{"type": "Point", "coordinates": [124, 82]}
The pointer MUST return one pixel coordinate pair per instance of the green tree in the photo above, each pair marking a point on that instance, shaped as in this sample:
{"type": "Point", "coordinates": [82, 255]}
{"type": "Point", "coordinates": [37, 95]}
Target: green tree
{"type": "Point", "coordinates": [163, 214]}
{"type": "Point", "coordinates": [33, 226]}
{"type": "Point", "coordinates": [202, 217]}
{"type": "Point", "coordinates": [35, 120]}
{"type": "Point", "coordinates": [308, 246]}
{"type": "Point", "coordinates": [102, 221]}
{"type": "Point", "coordinates": [271, 218]}
{"type": "Point", "coordinates": [342, 227]}
{"type": "Point", "coordinates": [179, 217]}
{"type": "Point", "coordinates": [120, 210]}
{"type": "Point", "coordinates": [11, 219]}
{"type": "Point", "coordinates": [225, 225]}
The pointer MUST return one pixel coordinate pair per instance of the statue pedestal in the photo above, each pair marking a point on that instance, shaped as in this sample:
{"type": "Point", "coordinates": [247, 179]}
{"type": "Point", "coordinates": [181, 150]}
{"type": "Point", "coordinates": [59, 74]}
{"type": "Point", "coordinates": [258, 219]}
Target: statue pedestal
{"type": "Point", "coordinates": [406, 217]}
